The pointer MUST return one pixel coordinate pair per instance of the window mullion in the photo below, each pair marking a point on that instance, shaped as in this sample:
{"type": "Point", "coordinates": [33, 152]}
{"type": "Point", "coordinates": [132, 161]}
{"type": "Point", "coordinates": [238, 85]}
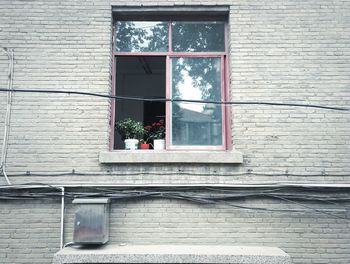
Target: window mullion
{"type": "Point", "coordinates": [170, 48]}
{"type": "Point", "coordinates": [168, 111]}
{"type": "Point", "coordinates": [223, 107]}
{"type": "Point", "coordinates": [167, 103]}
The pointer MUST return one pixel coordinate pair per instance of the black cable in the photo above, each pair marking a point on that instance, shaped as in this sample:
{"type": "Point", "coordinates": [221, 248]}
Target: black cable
{"type": "Point", "coordinates": [319, 193]}
{"type": "Point", "coordinates": [308, 207]}
{"type": "Point", "coordinates": [173, 100]}
{"type": "Point", "coordinates": [216, 192]}
{"type": "Point", "coordinates": [178, 172]}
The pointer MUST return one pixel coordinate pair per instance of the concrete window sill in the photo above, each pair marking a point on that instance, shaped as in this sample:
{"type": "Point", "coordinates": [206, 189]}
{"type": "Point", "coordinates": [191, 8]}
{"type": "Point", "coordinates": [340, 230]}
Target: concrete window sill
{"type": "Point", "coordinates": [154, 156]}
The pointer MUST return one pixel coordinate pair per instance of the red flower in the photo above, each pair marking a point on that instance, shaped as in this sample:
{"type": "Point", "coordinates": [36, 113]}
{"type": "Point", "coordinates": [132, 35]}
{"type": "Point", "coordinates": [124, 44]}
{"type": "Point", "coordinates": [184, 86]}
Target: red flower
{"type": "Point", "coordinates": [156, 130]}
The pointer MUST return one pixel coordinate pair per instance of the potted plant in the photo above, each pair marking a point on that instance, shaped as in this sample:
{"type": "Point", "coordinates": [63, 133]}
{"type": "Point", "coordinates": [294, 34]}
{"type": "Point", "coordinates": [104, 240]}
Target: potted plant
{"type": "Point", "coordinates": [145, 141]}
{"type": "Point", "coordinates": [144, 145]}
{"type": "Point", "coordinates": [156, 132]}
{"type": "Point", "coordinates": [131, 132]}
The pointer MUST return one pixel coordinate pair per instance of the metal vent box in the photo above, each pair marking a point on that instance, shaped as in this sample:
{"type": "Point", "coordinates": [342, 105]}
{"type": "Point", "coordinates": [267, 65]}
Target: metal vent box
{"type": "Point", "coordinates": [91, 223]}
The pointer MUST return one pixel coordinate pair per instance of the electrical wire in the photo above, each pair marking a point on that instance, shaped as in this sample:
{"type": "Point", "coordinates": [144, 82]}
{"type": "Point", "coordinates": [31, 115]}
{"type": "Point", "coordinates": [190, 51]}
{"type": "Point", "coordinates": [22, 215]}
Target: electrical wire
{"type": "Point", "coordinates": [177, 172]}
{"type": "Point", "coordinates": [132, 98]}
{"type": "Point", "coordinates": [183, 194]}
{"type": "Point", "coordinates": [10, 55]}
{"type": "Point", "coordinates": [308, 207]}
{"type": "Point", "coordinates": [188, 186]}
{"type": "Point", "coordinates": [300, 196]}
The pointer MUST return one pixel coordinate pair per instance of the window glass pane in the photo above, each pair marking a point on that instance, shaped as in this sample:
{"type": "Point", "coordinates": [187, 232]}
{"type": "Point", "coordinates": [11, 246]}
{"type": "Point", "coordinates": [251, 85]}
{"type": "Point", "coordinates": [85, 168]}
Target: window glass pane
{"type": "Point", "coordinates": [141, 36]}
{"type": "Point", "coordinates": [196, 123]}
{"type": "Point", "coordinates": [198, 36]}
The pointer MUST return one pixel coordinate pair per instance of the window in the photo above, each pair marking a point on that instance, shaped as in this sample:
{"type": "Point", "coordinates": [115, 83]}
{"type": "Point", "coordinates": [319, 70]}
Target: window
{"type": "Point", "coordinates": [180, 59]}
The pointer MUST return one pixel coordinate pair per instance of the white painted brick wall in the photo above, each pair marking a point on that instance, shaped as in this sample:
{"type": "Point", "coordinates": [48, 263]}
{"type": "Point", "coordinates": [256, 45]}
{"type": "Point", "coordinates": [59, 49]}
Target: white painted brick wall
{"type": "Point", "coordinates": [280, 51]}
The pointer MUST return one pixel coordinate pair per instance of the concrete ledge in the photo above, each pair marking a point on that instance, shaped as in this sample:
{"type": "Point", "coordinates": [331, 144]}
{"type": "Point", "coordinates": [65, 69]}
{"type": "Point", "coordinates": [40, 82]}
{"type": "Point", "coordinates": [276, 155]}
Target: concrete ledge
{"type": "Point", "coordinates": [154, 156]}
{"type": "Point", "coordinates": [172, 254]}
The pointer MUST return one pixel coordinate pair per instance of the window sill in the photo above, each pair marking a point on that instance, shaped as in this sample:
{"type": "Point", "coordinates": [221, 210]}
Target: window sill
{"type": "Point", "coordinates": [156, 156]}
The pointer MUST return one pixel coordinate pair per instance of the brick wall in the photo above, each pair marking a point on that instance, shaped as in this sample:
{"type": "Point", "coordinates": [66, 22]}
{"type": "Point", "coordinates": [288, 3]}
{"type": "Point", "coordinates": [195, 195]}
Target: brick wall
{"type": "Point", "coordinates": [30, 231]}
{"type": "Point", "coordinates": [295, 51]}
{"type": "Point", "coordinates": [64, 46]}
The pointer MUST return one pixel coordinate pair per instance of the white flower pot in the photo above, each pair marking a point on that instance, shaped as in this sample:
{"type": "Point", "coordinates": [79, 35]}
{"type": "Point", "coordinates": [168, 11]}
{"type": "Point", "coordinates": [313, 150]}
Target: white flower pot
{"type": "Point", "coordinates": [159, 144]}
{"type": "Point", "coordinates": [131, 144]}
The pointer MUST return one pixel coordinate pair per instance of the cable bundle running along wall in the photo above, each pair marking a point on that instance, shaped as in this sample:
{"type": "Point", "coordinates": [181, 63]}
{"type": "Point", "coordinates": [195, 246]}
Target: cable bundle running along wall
{"type": "Point", "coordinates": [330, 201]}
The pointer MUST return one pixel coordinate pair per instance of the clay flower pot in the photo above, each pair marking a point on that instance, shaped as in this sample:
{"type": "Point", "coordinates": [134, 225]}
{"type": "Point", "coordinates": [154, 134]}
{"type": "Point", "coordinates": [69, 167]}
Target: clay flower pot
{"type": "Point", "coordinates": [144, 146]}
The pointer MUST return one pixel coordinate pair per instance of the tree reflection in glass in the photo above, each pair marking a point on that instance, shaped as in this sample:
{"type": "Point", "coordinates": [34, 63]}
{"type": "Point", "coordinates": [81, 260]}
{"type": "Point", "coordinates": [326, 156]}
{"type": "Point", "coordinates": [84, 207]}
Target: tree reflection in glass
{"type": "Point", "coordinates": [198, 36]}
{"type": "Point", "coordinates": [196, 123]}
{"type": "Point", "coordinates": [141, 36]}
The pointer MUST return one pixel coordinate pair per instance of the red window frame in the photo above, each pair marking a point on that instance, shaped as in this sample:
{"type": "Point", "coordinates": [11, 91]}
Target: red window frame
{"type": "Point", "coordinates": [226, 129]}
